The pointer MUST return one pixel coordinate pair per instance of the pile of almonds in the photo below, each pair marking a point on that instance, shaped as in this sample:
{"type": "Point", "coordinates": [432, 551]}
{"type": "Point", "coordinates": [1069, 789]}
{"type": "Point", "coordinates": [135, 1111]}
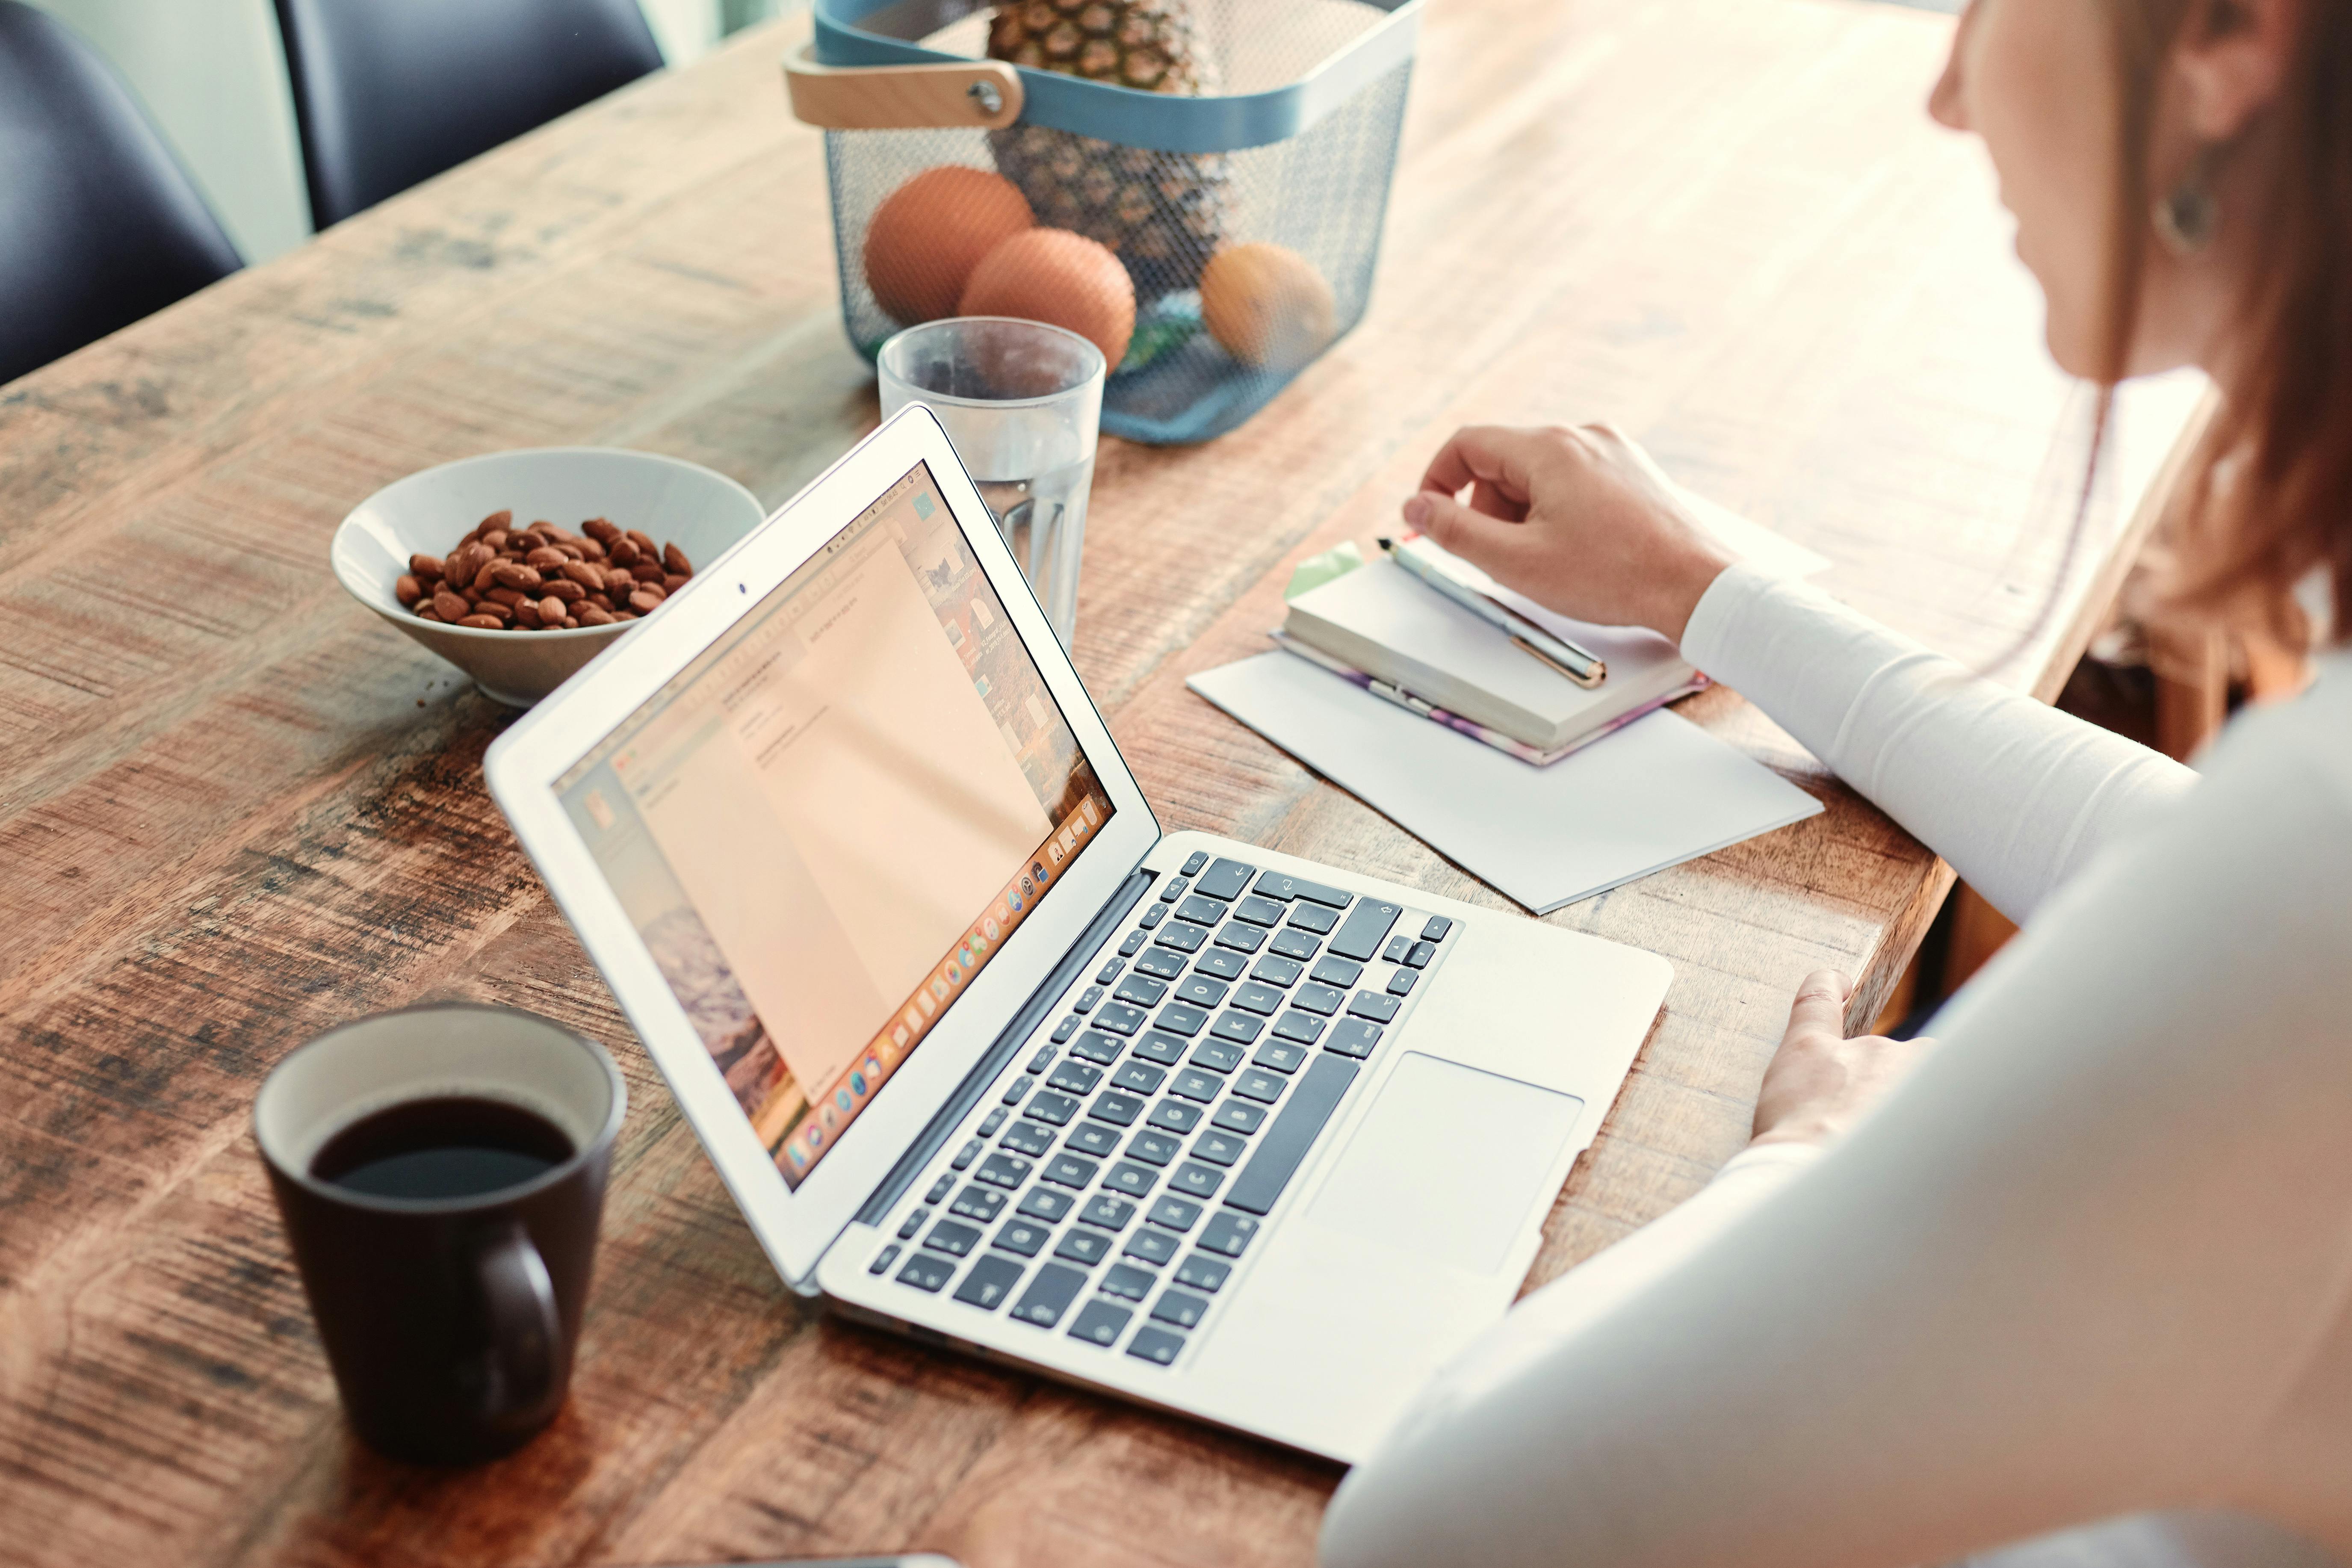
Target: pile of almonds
{"type": "Point", "coordinates": [501, 578]}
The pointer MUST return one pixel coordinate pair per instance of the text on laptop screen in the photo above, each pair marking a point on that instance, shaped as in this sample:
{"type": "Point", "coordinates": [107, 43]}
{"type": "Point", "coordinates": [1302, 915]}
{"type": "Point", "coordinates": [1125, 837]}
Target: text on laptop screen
{"type": "Point", "coordinates": [831, 820]}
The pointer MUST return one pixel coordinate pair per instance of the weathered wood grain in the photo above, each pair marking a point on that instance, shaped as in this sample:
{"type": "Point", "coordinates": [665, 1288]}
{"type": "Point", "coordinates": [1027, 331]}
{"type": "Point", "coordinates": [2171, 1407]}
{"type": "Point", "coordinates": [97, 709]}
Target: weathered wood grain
{"type": "Point", "coordinates": [234, 808]}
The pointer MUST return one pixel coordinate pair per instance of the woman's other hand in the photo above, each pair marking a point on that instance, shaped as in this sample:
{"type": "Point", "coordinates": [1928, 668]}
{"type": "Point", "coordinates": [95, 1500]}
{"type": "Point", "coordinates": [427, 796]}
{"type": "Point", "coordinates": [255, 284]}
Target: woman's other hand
{"type": "Point", "coordinates": [1578, 519]}
{"type": "Point", "coordinates": [1820, 1083]}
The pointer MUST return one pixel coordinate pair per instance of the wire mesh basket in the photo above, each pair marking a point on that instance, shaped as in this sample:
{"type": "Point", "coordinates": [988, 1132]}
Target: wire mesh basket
{"type": "Point", "coordinates": [1227, 163]}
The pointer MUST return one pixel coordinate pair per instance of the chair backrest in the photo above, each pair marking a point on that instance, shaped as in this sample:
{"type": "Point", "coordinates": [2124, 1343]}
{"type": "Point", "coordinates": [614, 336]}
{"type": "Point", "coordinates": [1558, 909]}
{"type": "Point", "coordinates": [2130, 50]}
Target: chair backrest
{"type": "Point", "coordinates": [99, 223]}
{"type": "Point", "coordinates": [391, 92]}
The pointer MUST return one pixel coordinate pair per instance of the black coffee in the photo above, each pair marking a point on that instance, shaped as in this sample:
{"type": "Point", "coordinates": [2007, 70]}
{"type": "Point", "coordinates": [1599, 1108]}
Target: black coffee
{"type": "Point", "coordinates": [456, 1146]}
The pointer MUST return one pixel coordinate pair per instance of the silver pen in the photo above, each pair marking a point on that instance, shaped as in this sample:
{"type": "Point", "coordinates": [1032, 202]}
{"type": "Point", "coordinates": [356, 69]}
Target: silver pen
{"type": "Point", "coordinates": [1580, 664]}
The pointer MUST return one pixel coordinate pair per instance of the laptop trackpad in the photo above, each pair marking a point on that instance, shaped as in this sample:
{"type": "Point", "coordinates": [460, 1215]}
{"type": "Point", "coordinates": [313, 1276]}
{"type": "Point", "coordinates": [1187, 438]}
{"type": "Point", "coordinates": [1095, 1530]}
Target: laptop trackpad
{"type": "Point", "coordinates": [1448, 1163]}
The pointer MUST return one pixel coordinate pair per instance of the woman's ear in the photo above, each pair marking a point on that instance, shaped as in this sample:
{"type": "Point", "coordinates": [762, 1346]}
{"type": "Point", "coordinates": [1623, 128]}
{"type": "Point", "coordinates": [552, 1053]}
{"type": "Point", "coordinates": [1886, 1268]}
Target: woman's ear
{"type": "Point", "coordinates": [2231, 61]}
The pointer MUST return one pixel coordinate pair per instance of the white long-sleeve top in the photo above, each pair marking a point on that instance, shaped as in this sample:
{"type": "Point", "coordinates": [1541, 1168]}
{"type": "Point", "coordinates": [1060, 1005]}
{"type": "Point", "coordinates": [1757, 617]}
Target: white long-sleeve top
{"type": "Point", "coordinates": [2093, 1259]}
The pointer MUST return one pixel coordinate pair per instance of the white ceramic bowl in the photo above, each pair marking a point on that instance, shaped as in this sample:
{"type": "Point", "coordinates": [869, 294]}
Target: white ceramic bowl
{"type": "Point", "coordinates": [426, 514]}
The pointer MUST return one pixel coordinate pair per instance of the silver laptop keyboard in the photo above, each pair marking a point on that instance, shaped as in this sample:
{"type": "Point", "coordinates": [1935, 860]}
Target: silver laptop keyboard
{"type": "Point", "coordinates": [1154, 1130]}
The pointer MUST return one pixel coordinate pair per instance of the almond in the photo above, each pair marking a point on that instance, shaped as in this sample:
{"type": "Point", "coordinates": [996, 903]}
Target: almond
{"type": "Point", "coordinates": [449, 606]}
{"type": "Point", "coordinates": [594, 615]}
{"type": "Point", "coordinates": [527, 615]}
{"type": "Point", "coordinates": [513, 575]}
{"type": "Point", "coordinates": [425, 566]}
{"type": "Point", "coordinates": [487, 577]}
{"type": "Point", "coordinates": [642, 540]}
{"type": "Point", "coordinates": [552, 609]}
{"type": "Point", "coordinates": [407, 589]}
{"type": "Point", "coordinates": [674, 560]}
{"type": "Point", "coordinates": [644, 601]}
{"type": "Point", "coordinates": [646, 570]}
{"type": "Point", "coordinates": [673, 583]}
{"type": "Point", "coordinates": [482, 622]}
{"type": "Point", "coordinates": [564, 591]}
{"type": "Point", "coordinates": [546, 558]}
{"type": "Point", "coordinates": [622, 553]}
{"type": "Point", "coordinates": [496, 520]}
{"type": "Point", "coordinates": [587, 576]}
{"type": "Point", "coordinates": [603, 532]}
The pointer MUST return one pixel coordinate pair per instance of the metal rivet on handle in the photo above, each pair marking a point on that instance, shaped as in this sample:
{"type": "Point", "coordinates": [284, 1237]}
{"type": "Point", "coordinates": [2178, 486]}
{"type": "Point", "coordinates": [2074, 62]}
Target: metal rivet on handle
{"type": "Point", "coordinates": [986, 95]}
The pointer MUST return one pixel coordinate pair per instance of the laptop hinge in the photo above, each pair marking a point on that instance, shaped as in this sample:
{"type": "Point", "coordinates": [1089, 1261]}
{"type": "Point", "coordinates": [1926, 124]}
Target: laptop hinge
{"type": "Point", "coordinates": [999, 1050]}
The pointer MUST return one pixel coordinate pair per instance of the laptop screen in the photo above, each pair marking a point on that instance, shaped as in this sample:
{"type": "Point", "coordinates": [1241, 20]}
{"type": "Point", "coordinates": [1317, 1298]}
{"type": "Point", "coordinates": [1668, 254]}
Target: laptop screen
{"type": "Point", "coordinates": [830, 821]}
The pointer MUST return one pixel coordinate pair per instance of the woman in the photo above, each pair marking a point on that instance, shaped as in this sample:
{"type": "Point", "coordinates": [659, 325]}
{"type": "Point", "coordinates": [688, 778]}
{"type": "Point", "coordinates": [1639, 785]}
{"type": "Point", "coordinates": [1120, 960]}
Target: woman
{"type": "Point", "coordinates": [2090, 1258]}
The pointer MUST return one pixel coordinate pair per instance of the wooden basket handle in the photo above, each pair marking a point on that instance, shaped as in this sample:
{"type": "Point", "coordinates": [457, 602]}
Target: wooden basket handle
{"type": "Point", "coordinates": [956, 94]}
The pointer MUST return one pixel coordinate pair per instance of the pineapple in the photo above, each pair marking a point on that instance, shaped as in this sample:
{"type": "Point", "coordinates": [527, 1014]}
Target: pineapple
{"type": "Point", "coordinates": [1162, 213]}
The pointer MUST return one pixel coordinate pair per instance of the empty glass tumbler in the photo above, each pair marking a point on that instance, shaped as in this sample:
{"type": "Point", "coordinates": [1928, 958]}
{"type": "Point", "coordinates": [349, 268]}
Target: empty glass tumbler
{"type": "Point", "coordinates": [1021, 402]}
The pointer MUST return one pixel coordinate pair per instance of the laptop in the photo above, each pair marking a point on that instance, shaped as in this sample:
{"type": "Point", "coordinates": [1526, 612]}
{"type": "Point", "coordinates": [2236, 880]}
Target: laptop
{"type": "Point", "coordinates": [989, 1057]}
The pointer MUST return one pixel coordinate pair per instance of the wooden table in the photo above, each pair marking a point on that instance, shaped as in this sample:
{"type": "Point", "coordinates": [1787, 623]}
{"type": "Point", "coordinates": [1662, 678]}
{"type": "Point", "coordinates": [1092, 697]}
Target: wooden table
{"type": "Point", "coordinates": [236, 808]}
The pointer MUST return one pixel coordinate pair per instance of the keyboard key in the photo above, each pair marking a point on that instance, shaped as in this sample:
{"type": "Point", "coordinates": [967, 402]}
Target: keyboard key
{"type": "Point", "coordinates": [1133, 1180]}
{"type": "Point", "coordinates": [1153, 1148]}
{"type": "Point", "coordinates": [1219, 1148]}
{"type": "Point", "coordinates": [1264, 1000]}
{"type": "Point", "coordinates": [1259, 912]}
{"type": "Point", "coordinates": [1165, 962]}
{"type": "Point", "coordinates": [1176, 1307]}
{"type": "Point", "coordinates": [1293, 944]}
{"type": "Point", "coordinates": [912, 1223]}
{"type": "Point", "coordinates": [1296, 1025]}
{"type": "Point", "coordinates": [1422, 952]}
{"type": "Point", "coordinates": [1176, 1214]}
{"type": "Point", "coordinates": [1027, 1138]}
{"type": "Point", "coordinates": [1109, 971]}
{"type": "Point", "coordinates": [1067, 1170]}
{"type": "Point", "coordinates": [1401, 983]}
{"type": "Point", "coordinates": [1259, 1085]}
{"type": "Point", "coordinates": [1239, 937]}
{"type": "Point", "coordinates": [1087, 998]}
{"type": "Point", "coordinates": [1095, 1045]}
{"type": "Point", "coordinates": [1180, 1019]}
{"type": "Point", "coordinates": [1436, 928]}
{"type": "Point", "coordinates": [1075, 1078]}
{"type": "Point", "coordinates": [1100, 1322]}
{"type": "Point", "coordinates": [1399, 945]}
{"type": "Point", "coordinates": [1218, 1056]}
{"type": "Point", "coordinates": [883, 1259]}
{"type": "Point", "coordinates": [1120, 1018]}
{"type": "Point", "coordinates": [1153, 916]}
{"type": "Point", "coordinates": [1227, 1232]}
{"type": "Point", "coordinates": [925, 1272]}
{"type": "Point", "coordinates": [1083, 1246]}
{"type": "Point", "coordinates": [1354, 1038]}
{"type": "Point", "coordinates": [1153, 1247]}
{"type": "Point", "coordinates": [1274, 970]}
{"type": "Point", "coordinates": [990, 1281]}
{"type": "Point", "coordinates": [1336, 972]}
{"type": "Point", "coordinates": [1065, 1029]}
{"type": "Point", "coordinates": [1134, 943]}
{"type": "Point", "coordinates": [1239, 1027]}
{"type": "Point", "coordinates": [1183, 936]}
{"type": "Point", "coordinates": [1156, 1346]}
{"type": "Point", "coordinates": [1042, 1060]}
{"type": "Point", "coordinates": [1093, 1138]}
{"type": "Point", "coordinates": [1313, 918]}
{"type": "Point", "coordinates": [1201, 991]}
{"type": "Point", "coordinates": [1196, 1181]}
{"type": "Point", "coordinates": [1282, 1056]}
{"type": "Point", "coordinates": [1110, 1213]}
{"type": "Point", "coordinates": [965, 1155]}
{"type": "Point", "coordinates": [1128, 1281]}
{"type": "Point", "coordinates": [1275, 885]}
{"type": "Point", "coordinates": [1140, 1077]}
{"type": "Point", "coordinates": [1202, 1272]}
{"type": "Point", "coordinates": [1143, 990]}
{"type": "Point", "coordinates": [978, 1202]}
{"type": "Point", "coordinates": [1045, 1204]}
{"type": "Point", "coordinates": [1279, 1153]}
{"type": "Point", "coordinates": [952, 1238]}
{"type": "Point", "coordinates": [1200, 911]}
{"type": "Point", "coordinates": [1320, 998]}
{"type": "Point", "coordinates": [1006, 1170]}
{"type": "Point", "coordinates": [1021, 1235]}
{"type": "Point", "coordinates": [1239, 1116]}
{"type": "Point", "coordinates": [1223, 963]}
{"type": "Point", "coordinates": [992, 1120]}
{"type": "Point", "coordinates": [1174, 1116]}
{"type": "Point", "coordinates": [1194, 861]}
{"type": "Point", "coordinates": [1224, 880]}
{"type": "Point", "coordinates": [1118, 1110]}
{"type": "Point", "coordinates": [1176, 889]}
{"type": "Point", "coordinates": [1016, 1089]}
{"type": "Point", "coordinates": [1165, 1049]}
{"type": "Point", "coordinates": [1057, 1109]}
{"type": "Point", "coordinates": [940, 1189]}
{"type": "Point", "coordinates": [1194, 1084]}
{"type": "Point", "coordinates": [1049, 1295]}
{"type": "Point", "coordinates": [1373, 1005]}
{"type": "Point", "coordinates": [1366, 927]}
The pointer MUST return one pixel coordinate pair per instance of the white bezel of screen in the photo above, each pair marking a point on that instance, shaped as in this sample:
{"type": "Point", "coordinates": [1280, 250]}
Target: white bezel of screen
{"type": "Point", "coordinates": [523, 765]}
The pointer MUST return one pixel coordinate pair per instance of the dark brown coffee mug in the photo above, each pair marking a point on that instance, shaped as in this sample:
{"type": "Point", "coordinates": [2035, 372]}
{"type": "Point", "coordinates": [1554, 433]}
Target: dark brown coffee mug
{"type": "Point", "coordinates": [441, 1173]}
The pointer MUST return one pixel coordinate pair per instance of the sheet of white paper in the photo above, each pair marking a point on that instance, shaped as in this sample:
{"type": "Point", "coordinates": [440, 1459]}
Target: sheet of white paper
{"type": "Point", "coordinates": [1657, 793]}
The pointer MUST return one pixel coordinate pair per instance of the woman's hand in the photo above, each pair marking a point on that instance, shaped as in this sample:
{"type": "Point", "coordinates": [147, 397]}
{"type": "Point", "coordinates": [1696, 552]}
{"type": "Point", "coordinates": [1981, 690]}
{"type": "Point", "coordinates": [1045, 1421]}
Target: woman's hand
{"type": "Point", "coordinates": [1820, 1083]}
{"type": "Point", "coordinates": [1580, 521]}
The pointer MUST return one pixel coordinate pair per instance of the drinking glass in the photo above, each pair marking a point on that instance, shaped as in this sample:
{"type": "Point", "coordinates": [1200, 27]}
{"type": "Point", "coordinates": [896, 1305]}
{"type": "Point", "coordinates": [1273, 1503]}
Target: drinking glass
{"type": "Point", "coordinates": [1021, 402]}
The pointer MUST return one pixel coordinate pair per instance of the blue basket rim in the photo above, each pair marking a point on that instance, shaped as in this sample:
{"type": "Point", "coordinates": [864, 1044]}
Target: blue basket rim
{"type": "Point", "coordinates": [1160, 122]}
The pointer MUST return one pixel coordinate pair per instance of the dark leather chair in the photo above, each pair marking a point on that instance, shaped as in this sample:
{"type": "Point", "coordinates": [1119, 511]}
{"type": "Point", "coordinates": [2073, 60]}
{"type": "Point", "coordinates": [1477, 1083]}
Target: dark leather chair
{"type": "Point", "coordinates": [391, 92]}
{"type": "Point", "coordinates": [98, 224]}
